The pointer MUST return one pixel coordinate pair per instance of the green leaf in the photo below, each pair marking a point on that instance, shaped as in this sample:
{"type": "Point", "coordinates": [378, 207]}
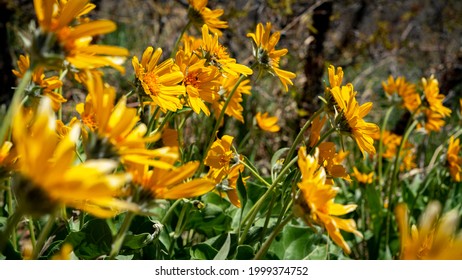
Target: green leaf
{"type": "Point", "coordinates": [223, 253]}
{"type": "Point", "coordinates": [245, 252]}
{"type": "Point", "coordinates": [137, 241]}
{"type": "Point", "coordinates": [203, 251]}
{"type": "Point", "coordinates": [93, 241]}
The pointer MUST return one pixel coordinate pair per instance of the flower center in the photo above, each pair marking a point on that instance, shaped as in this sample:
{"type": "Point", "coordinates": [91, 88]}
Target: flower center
{"type": "Point", "coordinates": [151, 80]}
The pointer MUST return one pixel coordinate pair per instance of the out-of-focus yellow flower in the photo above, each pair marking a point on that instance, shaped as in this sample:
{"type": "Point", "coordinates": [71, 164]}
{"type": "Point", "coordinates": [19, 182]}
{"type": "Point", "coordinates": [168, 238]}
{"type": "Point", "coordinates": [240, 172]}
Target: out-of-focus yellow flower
{"type": "Point", "coordinates": [118, 133]}
{"type": "Point", "coordinates": [433, 97]}
{"type": "Point", "coordinates": [267, 56]}
{"type": "Point", "coordinates": [234, 108]}
{"type": "Point", "coordinates": [199, 14]}
{"type": "Point", "coordinates": [332, 162]}
{"type": "Point", "coordinates": [363, 177]}
{"type": "Point", "coordinates": [350, 119]}
{"type": "Point", "coordinates": [454, 160]}
{"type": "Point", "coordinates": [8, 158]}
{"type": "Point", "coordinates": [47, 178]}
{"type": "Point", "coordinates": [390, 141]}
{"type": "Point", "coordinates": [408, 158]}
{"type": "Point", "coordinates": [407, 91]}
{"type": "Point", "coordinates": [47, 86]}
{"type": "Point", "coordinates": [228, 184]}
{"type": "Point", "coordinates": [219, 157]}
{"type": "Point", "coordinates": [434, 121]}
{"type": "Point", "coordinates": [58, 19]}
{"type": "Point", "coordinates": [64, 253]}
{"type": "Point", "coordinates": [173, 183]}
{"type": "Point", "coordinates": [316, 202]}
{"type": "Point", "coordinates": [202, 83]}
{"type": "Point", "coordinates": [160, 81]}
{"type": "Point", "coordinates": [217, 55]}
{"type": "Point", "coordinates": [315, 133]}
{"type": "Point", "coordinates": [170, 137]}
{"type": "Point", "coordinates": [434, 239]}
{"type": "Point", "coordinates": [267, 123]}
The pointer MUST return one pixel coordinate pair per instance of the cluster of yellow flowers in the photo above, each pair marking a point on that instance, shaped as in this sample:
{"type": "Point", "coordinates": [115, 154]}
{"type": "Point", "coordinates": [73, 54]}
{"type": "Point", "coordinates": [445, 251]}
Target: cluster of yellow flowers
{"type": "Point", "coordinates": [114, 157]}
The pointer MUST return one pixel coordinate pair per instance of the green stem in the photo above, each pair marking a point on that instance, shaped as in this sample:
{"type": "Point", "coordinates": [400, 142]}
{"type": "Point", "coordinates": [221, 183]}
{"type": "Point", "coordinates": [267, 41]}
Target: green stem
{"type": "Point", "coordinates": [15, 104]}
{"type": "Point", "coordinates": [119, 239]}
{"type": "Point", "coordinates": [273, 235]}
{"type": "Point", "coordinates": [9, 197]}
{"type": "Point", "coordinates": [380, 154]}
{"type": "Point", "coordinates": [44, 234]}
{"type": "Point", "coordinates": [178, 40]}
{"type": "Point", "coordinates": [32, 233]}
{"type": "Point", "coordinates": [250, 217]}
{"type": "Point", "coordinates": [11, 223]}
{"type": "Point", "coordinates": [255, 173]}
{"type": "Point", "coordinates": [391, 186]}
{"type": "Point", "coordinates": [170, 211]}
{"type": "Point", "coordinates": [300, 135]}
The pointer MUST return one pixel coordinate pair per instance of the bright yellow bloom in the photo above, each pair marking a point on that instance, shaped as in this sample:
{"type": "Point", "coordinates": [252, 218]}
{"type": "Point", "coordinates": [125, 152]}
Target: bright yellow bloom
{"type": "Point", "coordinates": [160, 81]}
{"type": "Point", "coordinates": [316, 202]}
{"type": "Point", "coordinates": [332, 162]}
{"type": "Point", "coordinates": [219, 157]}
{"type": "Point", "coordinates": [234, 108]}
{"type": "Point", "coordinates": [173, 183]}
{"type": "Point", "coordinates": [267, 56]}
{"type": "Point", "coordinates": [434, 121]}
{"type": "Point", "coordinates": [200, 14]}
{"type": "Point", "coordinates": [119, 134]}
{"type": "Point", "coordinates": [407, 91]}
{"type": "Point", "coordinates": [351, 117]}
{"type": "Point", "coordinates": [454, 160]}
{"type": "Point", "coordinates": [228, 184]}
{"type": "Point", "coordinates": [433, 97]}
{"type": "Point", "coordinates": [217, 55]}
{"type": "Point", "coordinates": [363, 177]}
{"type": "Point", "coordinates": [47, 177]}
{"type": "Point", "coordinates": [435, 238]}
{"type": "Point", "coordinates": [202, 83]}
{"type": "Point", "coordinates": [267, 123]}
{"type": "Point", "coordinates": [75, 36]}
{"type": "Point", "coordinates": [315, 133]}
{"type": "Point", "coordinates": [48, 86]}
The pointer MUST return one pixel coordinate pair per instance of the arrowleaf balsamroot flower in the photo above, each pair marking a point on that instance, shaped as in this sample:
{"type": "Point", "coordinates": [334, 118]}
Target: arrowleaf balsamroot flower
{"type": "Point", "coordinates": [407, 91]}
{"type": "Point", "coordinates": [47, 86]}
{"type": "Point", "coordinates": [364, 178]}
{"type": "Point", "coordinates": [350, 118]}
{"type": "Point", "coordinates": [160, 81]}
{"type": "Point", "coordinates": [234, 108]}
{"type": "Point", "coordinates": [267, 56]}
{"type": "Point", "coordinates": [199, 14]}
{"type": "Point", "coordinates": [316, 201]}
{"type": "Point", "coordinates": [46, 177]}
{"type": "Point", "coordinates": [267, 123]}
{"type": "Point", "coordinates": [60, 22]}
{"type": "Point", "coordinates": [219, 157]}
{"type": "Point", "coordinates": [217, 55]}
{"type": "Point", "coordinates": [435, 238]}
{"type": "Point", "coordinates": [454, 160]}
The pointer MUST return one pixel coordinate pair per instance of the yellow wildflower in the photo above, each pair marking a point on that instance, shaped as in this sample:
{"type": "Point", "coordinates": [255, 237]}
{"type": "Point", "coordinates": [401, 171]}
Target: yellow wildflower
{"type": "Point", "coordinates": [217, 55]}
{"type": "Point", "coordinates": [407, 91]}
{"type": "Point", "coordinates": [454, 160]}
{"type": "Point", "coordinates": [434, 238]}
{"type": "Point", "coordinates": [315, 133]}
{"type": "Point", "coordinates": [267, 56]}
{"type": "Point", "coordinates": [332, 162]}
{"type": "Point", "coordinates": [75, 36]}
{"type": "Point", "coordinates": [316, 202]}
{"type": "Point", "coordinates": [234, 108]}
{"type": "Point", "coordinates": [160, 81]}
{"type": "Point", "coordinates": [267, 123]}
{"type": "Point", "coordinates": [434, 121]}
{"type": "Point", "coordinates": [199, 14]}
{"type": "Point", "coordinates": [202, 83]}
{"type": "Point", "coordinates": [173, 183]}
{"type": "Point", "coordinates": [363, 177]}
{"type": "Point", "coordinates": [228, 184]}
{"type": "Point", "coordinates": [219, 157]}
{"type": "Point", "coordinates": [47, 86]}
{"type": "Point", "coordinates": [433, 97]}
{"type": "Point", "coordinates": [64, 253]}
{"type": "Point", "coordinates": [46, 176]}
{"type": "Point", "coordinates": [350, 119]}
